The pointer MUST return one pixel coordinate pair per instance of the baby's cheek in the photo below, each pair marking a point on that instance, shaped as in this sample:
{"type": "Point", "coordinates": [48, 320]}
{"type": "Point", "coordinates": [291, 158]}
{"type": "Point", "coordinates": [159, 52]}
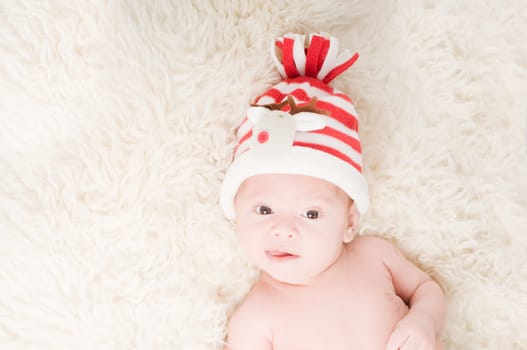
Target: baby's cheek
{"type": "Point", "coordinates": [249, 243]}
{"type": "Point", "coordinates": [245, 239]}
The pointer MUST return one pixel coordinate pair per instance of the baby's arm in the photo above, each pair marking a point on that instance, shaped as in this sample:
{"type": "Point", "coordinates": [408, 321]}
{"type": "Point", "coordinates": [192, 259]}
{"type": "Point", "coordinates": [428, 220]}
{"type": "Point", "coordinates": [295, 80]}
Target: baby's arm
{"type": "Point", "coordinates": [248, 329]}
{"type": "Point", "coordinates": [420, 328]}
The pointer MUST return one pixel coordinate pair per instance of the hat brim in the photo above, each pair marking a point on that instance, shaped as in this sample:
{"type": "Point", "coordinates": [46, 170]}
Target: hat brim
{"type": "Point", "coordinates": [297, 161]}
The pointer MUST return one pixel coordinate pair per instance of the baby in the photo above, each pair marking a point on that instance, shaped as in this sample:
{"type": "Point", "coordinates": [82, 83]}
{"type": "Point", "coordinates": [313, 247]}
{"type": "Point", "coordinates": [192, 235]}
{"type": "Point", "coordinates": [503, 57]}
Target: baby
{"type": "Point", "coordinates": [295, 190]}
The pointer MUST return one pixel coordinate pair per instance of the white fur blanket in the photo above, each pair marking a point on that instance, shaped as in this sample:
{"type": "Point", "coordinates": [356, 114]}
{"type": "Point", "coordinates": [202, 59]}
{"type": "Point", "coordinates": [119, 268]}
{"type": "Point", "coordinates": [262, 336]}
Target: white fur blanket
{"type": "Point", "coordinates": [116, 126]}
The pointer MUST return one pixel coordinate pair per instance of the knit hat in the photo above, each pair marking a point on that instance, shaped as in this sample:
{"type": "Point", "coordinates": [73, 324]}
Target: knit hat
{"type": "Point", "coordinates": [301, 125]}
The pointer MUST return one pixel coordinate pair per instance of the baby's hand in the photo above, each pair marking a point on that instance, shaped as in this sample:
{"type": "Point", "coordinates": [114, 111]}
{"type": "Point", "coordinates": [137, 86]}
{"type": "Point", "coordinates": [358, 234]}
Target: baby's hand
{"type": "Point", "coordinates": [415, 331]}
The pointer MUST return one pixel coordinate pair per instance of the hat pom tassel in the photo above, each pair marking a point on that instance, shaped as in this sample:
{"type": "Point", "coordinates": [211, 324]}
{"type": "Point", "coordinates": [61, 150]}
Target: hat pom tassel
{"type": "Point", "coordinates": [320, 59]}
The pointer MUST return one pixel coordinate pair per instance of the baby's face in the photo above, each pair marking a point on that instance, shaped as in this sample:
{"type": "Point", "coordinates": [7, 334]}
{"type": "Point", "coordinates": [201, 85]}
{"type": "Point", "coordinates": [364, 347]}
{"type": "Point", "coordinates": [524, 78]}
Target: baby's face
{"type": "Point", "coordinates": [293, 226]}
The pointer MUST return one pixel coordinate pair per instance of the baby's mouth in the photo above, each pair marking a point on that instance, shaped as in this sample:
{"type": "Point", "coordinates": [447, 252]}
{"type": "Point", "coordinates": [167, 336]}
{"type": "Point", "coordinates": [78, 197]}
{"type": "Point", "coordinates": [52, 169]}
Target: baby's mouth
{"type": "Point", "coordinates": [280, 255]}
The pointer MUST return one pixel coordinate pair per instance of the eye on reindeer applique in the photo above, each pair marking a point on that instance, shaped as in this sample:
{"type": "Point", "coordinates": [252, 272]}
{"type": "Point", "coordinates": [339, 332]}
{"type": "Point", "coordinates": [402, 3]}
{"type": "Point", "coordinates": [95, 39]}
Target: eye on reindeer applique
{"type": "Point", "coordinates": [274, 130]}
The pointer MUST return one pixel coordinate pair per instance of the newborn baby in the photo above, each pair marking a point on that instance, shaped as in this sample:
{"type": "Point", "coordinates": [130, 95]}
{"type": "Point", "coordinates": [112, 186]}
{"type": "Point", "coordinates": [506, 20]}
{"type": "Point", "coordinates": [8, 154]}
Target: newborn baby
{"type": "Point", "coordinates": [295, 190]}
{"type": "Point", "coordinates": [320, 288]}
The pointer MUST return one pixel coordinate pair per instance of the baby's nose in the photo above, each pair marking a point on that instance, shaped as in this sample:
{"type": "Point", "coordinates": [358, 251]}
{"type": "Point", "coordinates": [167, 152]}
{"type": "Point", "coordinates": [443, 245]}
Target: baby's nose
{"type": "Point", "coordinates": [284, 230]}
{"type": "Point", "coordinates": [284, 234]}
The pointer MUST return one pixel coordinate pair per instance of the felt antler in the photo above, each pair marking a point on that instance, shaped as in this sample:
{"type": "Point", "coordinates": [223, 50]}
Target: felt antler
{"type": "Point", "coordinates": [273, 106]}
{"type": "Point", "coordinates": [310, 107]}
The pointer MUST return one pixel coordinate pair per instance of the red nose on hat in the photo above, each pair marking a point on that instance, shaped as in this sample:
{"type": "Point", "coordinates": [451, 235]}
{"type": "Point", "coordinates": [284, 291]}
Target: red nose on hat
{"type": "Point", "coordinates": [263, 136]}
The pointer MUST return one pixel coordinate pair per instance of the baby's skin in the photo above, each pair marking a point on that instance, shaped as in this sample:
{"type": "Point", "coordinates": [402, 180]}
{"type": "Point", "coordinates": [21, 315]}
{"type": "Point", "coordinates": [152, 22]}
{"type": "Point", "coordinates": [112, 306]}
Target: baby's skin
{"type": "Point", "coordinates": [321, 287]}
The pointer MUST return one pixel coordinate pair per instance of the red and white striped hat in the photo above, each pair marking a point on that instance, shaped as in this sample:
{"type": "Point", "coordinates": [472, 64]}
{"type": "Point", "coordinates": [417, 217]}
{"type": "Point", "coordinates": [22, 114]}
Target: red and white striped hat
{"type": "Point", "coordinates": [301, 125]}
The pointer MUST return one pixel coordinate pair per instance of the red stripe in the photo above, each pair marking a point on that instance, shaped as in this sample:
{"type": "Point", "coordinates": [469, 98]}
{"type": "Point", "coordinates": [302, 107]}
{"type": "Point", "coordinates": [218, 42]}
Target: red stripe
{"type": "Point", "coordinates": [274, 94]}
{"type": "Point", "coordinates": [347, 139]}
{"type": "Point", "coordinates": [344, 96]}
{"type": "Point", "coordinates": [339, 69]}
{"type": "Point", "coordinates": [288, 58]}
{"type": "Point", "coordinates": [245, 137]}
{"type": "Point", "coordinates": [240, 125]}
{"type": "Point", "coordinates": [300, 94]}
{"type": "Point", "coordinates": [331, 151]}
{"type": "Point", "coordinates": [339, 114]}
{"type": "Point", "coordinates": [234, 153]}
{"type": "Point", "coordinates": [312, 56]}
{"type": "Point", "coordinates": [323, 54]}
{"type": "Point", "coordinates": [236, 150]}
{"type": "Point", "coordinates": [313, 82]}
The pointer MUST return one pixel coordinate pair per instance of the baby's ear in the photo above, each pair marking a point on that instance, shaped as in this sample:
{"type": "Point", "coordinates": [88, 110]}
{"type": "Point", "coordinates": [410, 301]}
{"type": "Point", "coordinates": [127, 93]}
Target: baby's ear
{"type": "Point", "coordinates": [353, 221]}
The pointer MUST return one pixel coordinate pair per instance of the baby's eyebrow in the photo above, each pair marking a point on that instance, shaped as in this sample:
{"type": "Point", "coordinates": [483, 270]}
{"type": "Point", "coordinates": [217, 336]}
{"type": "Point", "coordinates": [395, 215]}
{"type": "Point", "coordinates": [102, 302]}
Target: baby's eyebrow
{"type": "Point", "coordinates": [256, 198]}
{"type": "Point", "coordinates": [317, 198]}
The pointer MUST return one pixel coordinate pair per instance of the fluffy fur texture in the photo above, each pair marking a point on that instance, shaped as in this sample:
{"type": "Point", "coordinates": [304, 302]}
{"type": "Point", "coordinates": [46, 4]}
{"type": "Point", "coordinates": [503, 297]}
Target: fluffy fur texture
{"type": "Point", "coordinates": [117, 122]}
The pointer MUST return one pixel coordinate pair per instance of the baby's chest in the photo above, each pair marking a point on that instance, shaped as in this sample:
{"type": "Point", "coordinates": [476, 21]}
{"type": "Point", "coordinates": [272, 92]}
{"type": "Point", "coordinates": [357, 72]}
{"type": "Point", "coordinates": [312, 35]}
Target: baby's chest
{"type": "Point", "coordinates": [351, 317]}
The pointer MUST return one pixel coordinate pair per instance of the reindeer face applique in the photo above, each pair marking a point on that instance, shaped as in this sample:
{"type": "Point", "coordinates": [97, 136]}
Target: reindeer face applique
{"type": "Point", "coordinates": [274, 130]}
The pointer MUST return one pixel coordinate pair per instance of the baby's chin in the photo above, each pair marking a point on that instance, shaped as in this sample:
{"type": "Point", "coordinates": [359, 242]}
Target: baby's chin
{"type": "Point", "coordinates": [294, 279]}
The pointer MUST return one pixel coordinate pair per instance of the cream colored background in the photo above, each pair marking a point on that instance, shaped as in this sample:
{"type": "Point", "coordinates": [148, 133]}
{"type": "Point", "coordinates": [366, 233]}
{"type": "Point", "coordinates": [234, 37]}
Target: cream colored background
{"type": "Point", "coordinates": [116, 125]}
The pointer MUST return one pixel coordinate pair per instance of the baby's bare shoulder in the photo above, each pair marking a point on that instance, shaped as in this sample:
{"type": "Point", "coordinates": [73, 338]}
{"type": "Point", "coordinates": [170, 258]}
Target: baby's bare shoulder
{"type": "Point", "coordinates": [254, 308]}
{"type": "Point", "coordinates": [372, 245]}
{"type": "Point", "coordinates": [249, 325]}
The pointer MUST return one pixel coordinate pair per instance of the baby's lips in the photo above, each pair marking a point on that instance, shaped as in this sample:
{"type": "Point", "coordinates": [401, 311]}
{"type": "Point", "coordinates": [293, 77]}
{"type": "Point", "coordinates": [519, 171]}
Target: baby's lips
{"type": "Point", "coordinates": [279, 253]}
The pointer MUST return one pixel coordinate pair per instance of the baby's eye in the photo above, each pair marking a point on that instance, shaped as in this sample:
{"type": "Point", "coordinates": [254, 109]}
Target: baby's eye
{"type": "Point", "coordinates": [264, 210]}
{"type": "Point", "coordinates": [311, 214]}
